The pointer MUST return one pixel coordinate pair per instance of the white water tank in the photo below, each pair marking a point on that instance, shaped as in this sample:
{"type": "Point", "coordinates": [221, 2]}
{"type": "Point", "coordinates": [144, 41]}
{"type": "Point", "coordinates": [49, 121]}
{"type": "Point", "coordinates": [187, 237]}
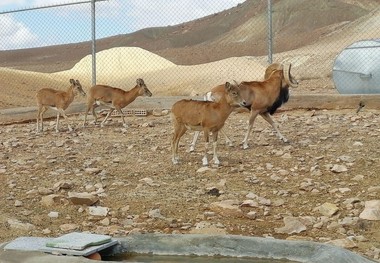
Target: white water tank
{"type": "Point", "coordinates": [357, 68]}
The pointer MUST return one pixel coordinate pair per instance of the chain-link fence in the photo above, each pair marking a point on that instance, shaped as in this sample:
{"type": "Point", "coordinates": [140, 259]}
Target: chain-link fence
{"type": "Point", "coordinates": [224, 40]}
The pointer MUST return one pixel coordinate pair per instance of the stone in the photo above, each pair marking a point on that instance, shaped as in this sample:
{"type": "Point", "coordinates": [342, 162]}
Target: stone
{"type": "Point", "coordinates": [53, 214]}
{"type": "Point", "coordinates": [16, 224]}
{"type": "Point", "coordinates": [68, 227]}
{"type": "Point", "coordinates": [208, 229]}
{"type": "Point", "coordinates": [371, 210]}
{"type": "Point", "coordinates": [292, 225]}
{"type": "Point", "coordinates": [50, 200]}
{"type": "Point", "coordinates": [155, 213]}
{"type": "Point", "coordinates": [249, 203]}
{"type": "Point", "coordinates": [227, 208]}
{"type": "Point", "coordinates": [344, 243]}
{"type": "Point", "coordinates": [149, 181]}
{"type": "Point", "coordinates": [205, 169]}
{"type": "Point", "coordinates": [45, 191]}
{"type": "Point", "coordinates": [339, 168]}
{"type": "Point", "coordinates": [82, 198]}
{"type": "Point", "coordinates": [251, 215]}
{"type": "Point", "coordinates": [91, 170]}
{"type": "Point", "coordinates": [328, 209]}
{"type": "Point", "coordinates": [98, 210]}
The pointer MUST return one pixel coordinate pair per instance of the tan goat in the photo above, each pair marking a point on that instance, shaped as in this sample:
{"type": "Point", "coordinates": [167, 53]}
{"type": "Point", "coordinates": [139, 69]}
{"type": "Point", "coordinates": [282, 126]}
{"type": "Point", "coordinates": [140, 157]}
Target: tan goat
{"type": "Point", "coordinates": [203, 116]}
{"type": "Point", "coordinates": [213, 95]}
{"type": "Point", "coordinates": [57, 100]}
{"type": "Point", "coordinates": [113, 98]}
{"type": "Point", "coordinates": [265, 97]}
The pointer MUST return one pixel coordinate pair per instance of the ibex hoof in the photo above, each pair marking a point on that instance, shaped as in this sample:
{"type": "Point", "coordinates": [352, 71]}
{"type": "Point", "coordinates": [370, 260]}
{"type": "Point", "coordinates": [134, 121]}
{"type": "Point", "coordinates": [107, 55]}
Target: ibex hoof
{"type": "Point", "coordinates": [204, 161]}
{"type": "Point", "coordinates": [191, 149]}
{"type": "Point", "coordinates": [284, 140]}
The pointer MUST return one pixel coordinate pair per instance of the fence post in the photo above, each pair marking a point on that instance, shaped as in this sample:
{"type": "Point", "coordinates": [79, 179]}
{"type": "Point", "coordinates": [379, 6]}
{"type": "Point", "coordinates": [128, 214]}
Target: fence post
{"type": "Point", "coordinates": [270, 34]}
{"type": "Point", "coordinates": [93, 42]}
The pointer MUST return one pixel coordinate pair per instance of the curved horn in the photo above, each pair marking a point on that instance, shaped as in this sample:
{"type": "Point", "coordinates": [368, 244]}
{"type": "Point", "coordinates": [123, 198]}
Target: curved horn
{"type": "Point", "coordinates": [288, 77]}
{"type": "Point", "coordinates": [271, 68]}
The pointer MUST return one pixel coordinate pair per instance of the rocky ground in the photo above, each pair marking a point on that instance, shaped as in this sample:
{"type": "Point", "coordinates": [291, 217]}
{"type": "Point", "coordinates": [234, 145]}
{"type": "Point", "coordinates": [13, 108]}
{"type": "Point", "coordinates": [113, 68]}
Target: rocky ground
{"type": "Point", "coordinates": [320, 186]}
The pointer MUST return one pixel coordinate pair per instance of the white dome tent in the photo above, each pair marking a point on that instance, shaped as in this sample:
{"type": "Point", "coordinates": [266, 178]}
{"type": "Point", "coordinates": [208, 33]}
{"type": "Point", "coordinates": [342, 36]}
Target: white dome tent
{"type": "Point", "coordinates": [356, 69]}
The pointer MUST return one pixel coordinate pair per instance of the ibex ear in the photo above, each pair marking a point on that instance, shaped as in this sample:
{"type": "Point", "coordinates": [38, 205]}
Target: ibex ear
{"type": "Point", "coordinates": [77, 82]}
{"type": "Point", "coordinates": [140, 82]}
{"type": "Point", "coordinates": [72, 81]}
{"type": "Point", "coordinates": [227, 86]}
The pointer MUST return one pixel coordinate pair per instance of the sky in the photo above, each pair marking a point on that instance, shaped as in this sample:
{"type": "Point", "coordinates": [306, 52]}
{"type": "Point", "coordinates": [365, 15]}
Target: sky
{"type": "Point", "coordinates": [72, 24]}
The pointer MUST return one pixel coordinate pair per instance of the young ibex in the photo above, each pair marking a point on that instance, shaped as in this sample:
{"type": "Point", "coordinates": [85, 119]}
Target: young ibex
{"type": "Point", "coordinates": [213, 95]}
{"type": "Point", "coordinates": [56, 100]}
{"type": "Point", "coordinates": [206, 116]}
{"type": "Point", "coordinates": [265, 97]}
{"type": "Point", "coordinates": [113, 98]}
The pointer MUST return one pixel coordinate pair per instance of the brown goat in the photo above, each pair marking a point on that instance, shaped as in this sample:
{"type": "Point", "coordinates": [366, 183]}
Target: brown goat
{"type": "Point", "coordinates": [57, 100]}
{"type": "Point", "coordinates": [203, 116]}
{"type": "Point", "coordinates": [113, 98]}
{"type": "Point", "coordinates": [265, 97]}
{"type": "Point", "coordinates": [214, 94]}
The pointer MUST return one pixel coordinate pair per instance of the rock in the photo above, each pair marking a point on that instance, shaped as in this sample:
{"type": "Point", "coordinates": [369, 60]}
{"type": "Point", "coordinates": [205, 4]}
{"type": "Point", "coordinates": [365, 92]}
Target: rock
{"type": "Point", "coordinates": [50, 200]}
{"type": "Point", "coordinates": [208, 229]}
{"type": "Point", "coordinates": [105, 221]}
{"type": "Point", "coordinates": [16, 224]}
{"type": "Point", "coordinates": [155, 213]}
{"type": "Point", "coordinates": [63, 185]}
{"type": "Point", "coordinates": [18, 203]}
{"type": "Point", "coordinates": [344, 190]}
{"type": "Point", "coordinates": [344, 243]}
{"type": "Point", "coordinates": [227, 208]}
{"type": "Point", "coordinates": [149, 181]}
{"type": "Point", "coordinates": [292, 225]}
{"type": "Point", "coordinates": [45, 191]}
{"type": "Point", "coordinates": [205, 169]}
{"type": "Point", "coordinates": [68, 227]}
{"type": "Point", "coordinates": [213, 191]}
{"type": "Point", "coordinates": [46, 231]}
{"type": "Point", "coordinates": [82, 198]}
{"type": "Point", "coordinates": [251, 215]}
{"type": "Point", "coordinates": [98, 210]}
{"type": "Point", "coordinates": [328, 209]}
{"type": "Point", "coordinates": [371, 210]}
{"type": "Point", "coordinates": [339, 168]}
{"type": "Point", "coordinates": [92, 170]}
{"type": "Point", "coordinates": [249, 203]}
{"type": "Point", "coordinates": [53, 214]}
{"type": "Point", "coordinates": [374, 189]}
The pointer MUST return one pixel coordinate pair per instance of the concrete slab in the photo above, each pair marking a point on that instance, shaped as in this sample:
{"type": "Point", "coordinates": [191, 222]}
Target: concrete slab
{"type": "Point", "coordinates": [39, 244]}
{"type": "Point", "coordinates": [78, 241]}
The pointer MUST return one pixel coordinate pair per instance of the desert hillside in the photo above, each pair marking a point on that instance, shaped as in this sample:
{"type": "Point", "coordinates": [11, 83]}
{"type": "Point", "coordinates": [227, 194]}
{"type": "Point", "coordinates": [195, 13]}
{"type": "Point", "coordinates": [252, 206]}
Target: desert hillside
{"type": "Point", "coordinates": [239, 31]}
{"type": "Point", "coordinates": [190, 58]}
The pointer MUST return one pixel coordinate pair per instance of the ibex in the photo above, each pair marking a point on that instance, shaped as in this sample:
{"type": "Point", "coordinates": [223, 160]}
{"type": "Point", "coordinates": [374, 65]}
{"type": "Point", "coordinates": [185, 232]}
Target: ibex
{"type": "Point", "coordinates": [206, 116]}
{"type": "Point", "coordinates": [113, 98]}
{"type": "Point", "coordinates": [57, 100]}
{"type": "Point", "coordinates": [265, 97]}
